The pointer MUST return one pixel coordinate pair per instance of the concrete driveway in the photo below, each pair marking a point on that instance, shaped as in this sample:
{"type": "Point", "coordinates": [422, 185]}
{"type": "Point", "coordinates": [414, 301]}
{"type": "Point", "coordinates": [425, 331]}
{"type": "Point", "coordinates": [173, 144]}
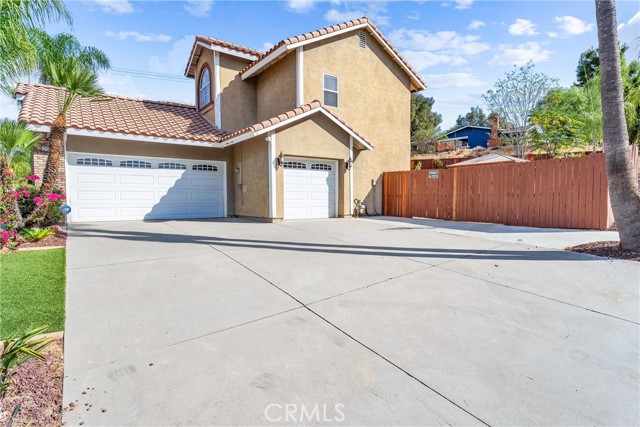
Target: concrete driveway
{"type": "Point", "coordinates": [346, 322]}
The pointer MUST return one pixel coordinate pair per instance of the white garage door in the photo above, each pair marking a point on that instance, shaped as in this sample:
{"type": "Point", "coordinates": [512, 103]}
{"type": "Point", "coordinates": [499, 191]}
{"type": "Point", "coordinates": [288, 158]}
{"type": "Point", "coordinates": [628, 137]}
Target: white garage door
{"type": "Point", "coordinates": [309, 189]}
{"type": "Point", "coordinates": [119, 188]}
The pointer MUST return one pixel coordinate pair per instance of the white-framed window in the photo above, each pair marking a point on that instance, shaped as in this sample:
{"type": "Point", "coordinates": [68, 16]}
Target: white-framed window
{"type": "Point", "coordinates": [171, 165]}
{"type": "Point", "coordinates": [135, 164]}
{"type": "Point", "coordinates": [294, 165]}
{"type": "Point", "coordinates": [204, 88]}
{"type": "Point", "coordinates": [330, 90]}
{"type": "Point", "coordinates": [206, 168]}
{"type": "Point", "coordinates": [92, 161]}
{"type": "Point", "coordinates": [321, 167]}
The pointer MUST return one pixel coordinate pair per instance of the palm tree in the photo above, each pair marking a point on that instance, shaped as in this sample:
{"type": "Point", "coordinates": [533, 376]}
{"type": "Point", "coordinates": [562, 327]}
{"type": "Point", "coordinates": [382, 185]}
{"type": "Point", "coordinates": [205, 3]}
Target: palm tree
{"type": "Point", "coordinates": [18, 18]}
{"type": "Point", "coordinates": [623, 181]}
{"type": "Point", "coordinates": [78, 81]}
{"type": "Point", "coordinates": [61, 46]}
{"type": "Point", "coordinates": [15, 139]}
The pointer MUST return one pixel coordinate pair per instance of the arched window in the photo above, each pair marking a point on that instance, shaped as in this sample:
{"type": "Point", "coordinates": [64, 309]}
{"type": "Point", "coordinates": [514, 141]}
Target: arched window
{"type": "Point", "coordinates": [204, 87]}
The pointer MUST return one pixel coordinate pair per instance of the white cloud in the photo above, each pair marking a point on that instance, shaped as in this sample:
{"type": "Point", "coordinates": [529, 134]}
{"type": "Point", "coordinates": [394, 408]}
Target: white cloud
{"type": "Point", "coordinates": [198, 8]}
{"type": "Point", "coordinates": [572, 26]}
{"type": "Point", "coordinates": [442, 41]}
{"type": "Point", "coordinates": [635, 19]}
{"type": "Point", "coordinates": [449, 80]}
{"type": "Point", "coordinates": [520, 54]}
{"type": "Point", "coordinates": [476, 25]}
{"type": "Point", "coordinates": [120, 85]}
{"type": "Point", "coordinates": [8, 107]}
{"type": "Point", "coordinates": [414, 16]}
{"type": "Point", "coordinates": [523, 27]}
{"type": "Point", "coordinates": [118, 7]}
{"type": "Point", "coordinates": [553, 34]}
{"type": "Point", "coordinates": [463, 4]}
{"type": "Point", "coordinates": [420, 60]}
{"type": "Point", "coordinates": [175, 59]}
{"type": "Point", "coordinates": [376, 11]}
{"type": "Point", "coordinates": [266, 46]}
{"type": "Point", "coordinates": [301, 6]}
{"type": "Point", "coordinates": [139, 37]}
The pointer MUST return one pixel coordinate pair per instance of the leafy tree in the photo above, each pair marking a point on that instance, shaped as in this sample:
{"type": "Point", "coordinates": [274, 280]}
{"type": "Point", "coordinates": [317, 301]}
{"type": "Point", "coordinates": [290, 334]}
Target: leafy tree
{"type": "Point", "coordinates": [18, 18]}
{"type": "Point", "coordinates": [622, 178]}
{"type": "Point", "coordinates": [79, 81]}
{"type": "Point", "coordinates": [589, 64]}
{"type": "Point", "coordinates": [15, 140]}
{"type": "Point", "coordinates": [475, 117]}
{"type": "Point", "coordinates": [514, 98]}
{"type": "Point", "coordinates": [61, 46]}
{"type": "Point", "coordinates": [424, 121]}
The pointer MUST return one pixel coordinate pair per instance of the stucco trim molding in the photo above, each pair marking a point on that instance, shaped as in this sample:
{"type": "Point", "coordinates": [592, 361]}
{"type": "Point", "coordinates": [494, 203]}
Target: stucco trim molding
{"type": "Point", "coordinates": [114, 135]}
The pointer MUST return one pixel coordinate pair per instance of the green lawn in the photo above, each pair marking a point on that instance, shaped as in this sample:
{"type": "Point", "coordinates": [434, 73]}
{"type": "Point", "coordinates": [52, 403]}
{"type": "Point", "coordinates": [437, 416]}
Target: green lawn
{"type": "Point", "coordinates": [32, 290]}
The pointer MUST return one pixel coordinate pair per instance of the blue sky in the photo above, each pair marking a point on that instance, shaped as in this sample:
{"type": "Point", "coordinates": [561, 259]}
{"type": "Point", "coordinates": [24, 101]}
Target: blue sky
{"type": "Point", "coordinates": [460, 47]}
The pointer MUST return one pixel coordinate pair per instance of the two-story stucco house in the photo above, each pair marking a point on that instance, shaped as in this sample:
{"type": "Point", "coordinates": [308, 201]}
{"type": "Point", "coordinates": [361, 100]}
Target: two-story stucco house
{"type": "Point", "coordinates": [299, 131]}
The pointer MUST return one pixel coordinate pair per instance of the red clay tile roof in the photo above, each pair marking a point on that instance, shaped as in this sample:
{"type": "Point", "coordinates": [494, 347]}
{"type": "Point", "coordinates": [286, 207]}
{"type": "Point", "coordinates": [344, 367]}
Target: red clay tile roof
{"type": "Point", "coordinates": [313, 105]}
{"type": "Point", "coordinates": [195, 51]}
{"type": "Point", "coordinates": [118, 115]}
{"type": "Point", "coordinates": [332, 29]}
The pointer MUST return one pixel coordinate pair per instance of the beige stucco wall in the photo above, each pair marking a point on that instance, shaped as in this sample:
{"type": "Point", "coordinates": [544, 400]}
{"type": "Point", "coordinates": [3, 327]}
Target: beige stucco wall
{"type": "Point", "coordinates": [238, 97]}
{"type": "Point", "coordinates": [251, 184]}
{"type": "Point", "coordinates": [81, 144]}
{"type": "Point", "coordinates": [205, 57]}
{"type": "Point", "coordinates": [374, 98]}
{"type": "Point", "coordinates": [276, 88]}
{"type": "Point", "coordinates": [315, 137]}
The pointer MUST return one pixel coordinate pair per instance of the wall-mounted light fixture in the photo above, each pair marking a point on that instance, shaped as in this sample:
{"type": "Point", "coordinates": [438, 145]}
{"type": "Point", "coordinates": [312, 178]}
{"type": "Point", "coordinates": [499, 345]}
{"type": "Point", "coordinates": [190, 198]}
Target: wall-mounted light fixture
{"type": "Point", "coordinates": [280, 160]}
{"type": "Point", "coordinates": [348, 164]}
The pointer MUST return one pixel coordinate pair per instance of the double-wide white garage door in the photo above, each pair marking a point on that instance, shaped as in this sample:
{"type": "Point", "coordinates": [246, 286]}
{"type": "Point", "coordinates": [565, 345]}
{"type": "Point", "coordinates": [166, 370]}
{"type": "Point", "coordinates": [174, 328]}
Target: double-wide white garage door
{"type": "Point", "coordinates": [309, 188]}
{"type": "Point", "coordinates": [117, 188]}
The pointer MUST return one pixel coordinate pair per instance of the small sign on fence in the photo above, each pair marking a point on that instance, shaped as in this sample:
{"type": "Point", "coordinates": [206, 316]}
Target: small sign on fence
{"type": "Point", "coordinates": [434, 174]}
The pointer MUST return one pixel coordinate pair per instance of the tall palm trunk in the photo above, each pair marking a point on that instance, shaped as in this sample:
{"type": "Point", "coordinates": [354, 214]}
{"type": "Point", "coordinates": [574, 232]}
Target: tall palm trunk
{"type": "Point", "coordinates": [8, 192]}
{"type": "Point", "coordinates": [623, 184]}
{"type": "Point", "coordinates": [55, 140]}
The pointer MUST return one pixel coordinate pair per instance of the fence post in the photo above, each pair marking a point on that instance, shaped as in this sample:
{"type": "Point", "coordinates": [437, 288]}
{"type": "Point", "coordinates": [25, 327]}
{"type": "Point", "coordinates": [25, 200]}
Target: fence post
{"type": "Point", "coordinates": [405, 196]}
{"type": "Point", "coordinates": [454, 209]}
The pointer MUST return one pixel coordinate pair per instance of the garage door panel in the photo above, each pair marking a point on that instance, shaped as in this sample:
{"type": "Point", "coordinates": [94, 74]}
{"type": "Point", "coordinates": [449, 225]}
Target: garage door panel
{"type": "Point", "coordinates": [98, 178]}
{"type": "Point", "coordinates": [129, 179]}
{"type": "Point", "coordinates": [106, 193]}
{"type": "Point", "coordinates": [309, 189]}
{"type": "Point", "coordinates": [95, 195]}
{"type": "Point", "coordinates": [137, 195]}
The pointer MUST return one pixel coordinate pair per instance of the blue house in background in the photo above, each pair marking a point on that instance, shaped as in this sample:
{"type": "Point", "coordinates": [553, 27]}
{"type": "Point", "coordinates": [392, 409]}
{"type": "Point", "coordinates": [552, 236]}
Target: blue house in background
{"type": "Point", "coordinates": [470, 136]}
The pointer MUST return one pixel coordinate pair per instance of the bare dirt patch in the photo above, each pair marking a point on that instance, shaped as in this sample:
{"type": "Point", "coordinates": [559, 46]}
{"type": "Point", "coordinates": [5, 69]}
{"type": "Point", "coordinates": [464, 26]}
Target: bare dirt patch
{"type": "Point", "coordinates": [37, 388]}
{"type": "Point", "coordinates": [607, 249]}
{"type": "Point", "coordinates": [58, 239]}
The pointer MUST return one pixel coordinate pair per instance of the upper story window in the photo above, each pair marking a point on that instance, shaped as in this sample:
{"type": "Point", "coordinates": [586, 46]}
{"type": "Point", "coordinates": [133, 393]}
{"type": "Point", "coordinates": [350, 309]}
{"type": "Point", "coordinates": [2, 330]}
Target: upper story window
{"type": "Point", "coordinates": [204, 87]}
{"type": "Point", "coordinates": [330, 90]}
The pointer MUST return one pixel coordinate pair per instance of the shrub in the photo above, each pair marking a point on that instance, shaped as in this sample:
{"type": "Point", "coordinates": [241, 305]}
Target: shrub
{"type": "Point", "coordinates": [36, 234]}
{"type": "Point", "coordinates": [17, 349]}
{"type": "Point", "coordinates": [9, 239]}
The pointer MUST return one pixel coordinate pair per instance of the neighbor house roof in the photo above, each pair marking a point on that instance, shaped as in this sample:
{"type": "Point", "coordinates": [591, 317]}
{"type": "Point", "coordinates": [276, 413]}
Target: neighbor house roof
{"type": "Point", "coordinates": [293, 116]}
{"type": "Point", "coordinates": [468, 126]}
{"type": "Point", "coordinates": [489, 159]}
{"type": "Point", "coordinates": [117, 115]}
{"type": "Point", "coordinates": [287, 45]}
{"type": "Point", "coordinates": [220, 45]}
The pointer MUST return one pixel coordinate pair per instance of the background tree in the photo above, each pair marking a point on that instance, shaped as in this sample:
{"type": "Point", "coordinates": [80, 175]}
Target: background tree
{"type": "Point", "coordinates": [622, 178]}
{"type": "Point", "coordinates": [514, 98]}
{"type": "Point", "coordinates": [589, 64]}
{"type": "Point", "coordinates": [425, 123]}
{"type": "Point", "coordinates": [475, 117]}
{"type": "Point", "coordinates": [58, 48]}
{"type": "Point", "coordinates": [78, 81]}
{"type": "Point", "coordinates": [18, 18]}
{"type": "Point", "coordinates": [15, 140]}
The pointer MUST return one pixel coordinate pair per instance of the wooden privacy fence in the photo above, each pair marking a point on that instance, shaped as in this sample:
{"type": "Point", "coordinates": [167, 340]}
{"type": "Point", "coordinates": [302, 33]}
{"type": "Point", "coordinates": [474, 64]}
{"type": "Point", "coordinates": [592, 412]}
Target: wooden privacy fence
{"type": "Point", "coordinates": [558, 193]}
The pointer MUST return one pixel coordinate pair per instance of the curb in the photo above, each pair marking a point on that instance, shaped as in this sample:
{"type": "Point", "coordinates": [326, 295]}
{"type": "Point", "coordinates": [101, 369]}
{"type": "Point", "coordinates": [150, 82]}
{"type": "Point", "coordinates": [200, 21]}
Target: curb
{"type": "Point", "coordinates": [41, 248]}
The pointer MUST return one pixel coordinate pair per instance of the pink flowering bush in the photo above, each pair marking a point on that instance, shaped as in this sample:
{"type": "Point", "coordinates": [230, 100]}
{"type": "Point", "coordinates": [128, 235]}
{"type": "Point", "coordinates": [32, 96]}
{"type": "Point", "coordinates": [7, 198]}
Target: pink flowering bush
{"type": "Point", "coordinates": [26, 194]}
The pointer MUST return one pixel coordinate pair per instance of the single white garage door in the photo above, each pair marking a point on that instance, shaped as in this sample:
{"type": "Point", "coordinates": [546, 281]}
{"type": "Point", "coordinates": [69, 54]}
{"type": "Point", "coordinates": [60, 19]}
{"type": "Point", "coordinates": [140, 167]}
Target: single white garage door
{"type": "Point", "coordinates": [120, 188]}
{"type": "Point", "coordinates": [309, 188]}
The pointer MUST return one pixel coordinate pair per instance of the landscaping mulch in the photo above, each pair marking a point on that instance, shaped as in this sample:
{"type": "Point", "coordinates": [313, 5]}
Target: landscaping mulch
{"type": "Point", "coordinates": [607, 249]}
{"type": "Point", "coordinates": [37, 388]}
{"type": "Point", "coordinates": [58, 239]}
